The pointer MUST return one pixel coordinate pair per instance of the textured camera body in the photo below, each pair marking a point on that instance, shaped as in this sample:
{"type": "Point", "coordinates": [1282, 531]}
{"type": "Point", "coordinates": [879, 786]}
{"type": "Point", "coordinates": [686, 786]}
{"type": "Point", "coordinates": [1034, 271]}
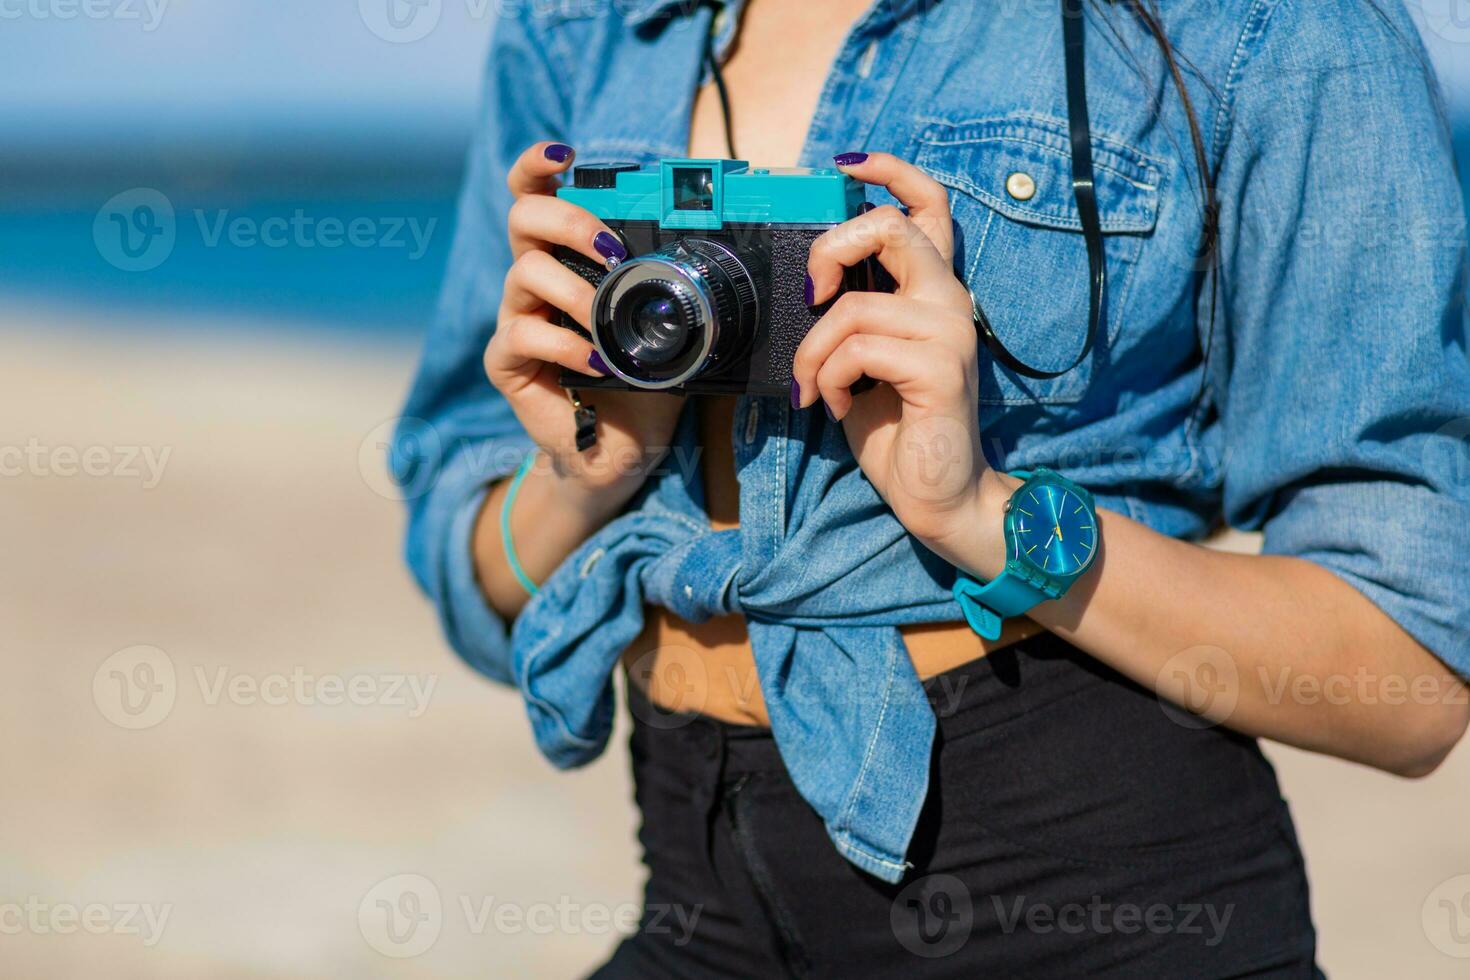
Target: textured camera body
{"type": "Point", "coordinates": [756, 224]}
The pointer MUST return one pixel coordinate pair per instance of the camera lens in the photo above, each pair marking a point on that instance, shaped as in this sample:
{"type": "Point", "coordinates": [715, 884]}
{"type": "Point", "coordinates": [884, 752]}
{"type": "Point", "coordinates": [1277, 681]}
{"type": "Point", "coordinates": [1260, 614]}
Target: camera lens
{"type": "Point", "coordinates": [663, 318]}
{"type": "Point", "coordinates": [655, 323]}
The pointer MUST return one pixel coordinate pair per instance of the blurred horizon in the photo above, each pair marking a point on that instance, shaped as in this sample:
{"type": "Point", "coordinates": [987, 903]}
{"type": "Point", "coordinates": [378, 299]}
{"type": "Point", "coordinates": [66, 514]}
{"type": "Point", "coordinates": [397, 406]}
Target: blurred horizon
{"type": "Point", "coordinates": [355, 121]}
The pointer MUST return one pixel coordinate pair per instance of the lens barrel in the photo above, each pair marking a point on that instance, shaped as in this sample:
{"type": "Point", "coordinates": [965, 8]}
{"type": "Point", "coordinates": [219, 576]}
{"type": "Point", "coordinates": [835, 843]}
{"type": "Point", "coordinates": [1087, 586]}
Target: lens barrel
{"type": "Point", "coordinates": [666, 316]}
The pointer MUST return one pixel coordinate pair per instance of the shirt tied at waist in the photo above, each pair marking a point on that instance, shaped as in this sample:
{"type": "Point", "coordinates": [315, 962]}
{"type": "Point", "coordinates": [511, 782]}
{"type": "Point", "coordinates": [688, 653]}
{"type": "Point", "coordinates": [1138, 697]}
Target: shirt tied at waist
{"type": "Point", "coordinates": [847, 710]}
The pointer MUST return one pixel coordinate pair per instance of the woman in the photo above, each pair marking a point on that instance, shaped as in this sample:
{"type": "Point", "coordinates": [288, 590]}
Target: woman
{"type": "Point", "coordinates": [803, 811]}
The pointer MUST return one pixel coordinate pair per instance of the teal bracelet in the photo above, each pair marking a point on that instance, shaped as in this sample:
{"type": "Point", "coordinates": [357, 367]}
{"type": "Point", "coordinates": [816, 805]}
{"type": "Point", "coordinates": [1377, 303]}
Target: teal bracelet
{"type": "Point", "coordinates": [505, 541]}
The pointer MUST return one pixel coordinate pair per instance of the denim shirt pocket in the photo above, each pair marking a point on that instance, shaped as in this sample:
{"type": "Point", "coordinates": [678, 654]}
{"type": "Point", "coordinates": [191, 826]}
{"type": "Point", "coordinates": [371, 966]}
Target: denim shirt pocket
{"type": "Point", "coordinates": [1019, 244]}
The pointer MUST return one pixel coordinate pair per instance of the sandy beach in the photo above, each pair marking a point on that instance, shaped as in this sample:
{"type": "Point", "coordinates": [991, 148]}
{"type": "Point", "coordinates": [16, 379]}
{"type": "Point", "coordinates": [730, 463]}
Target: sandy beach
{"type": "Point", "coordinates": [236, 746]}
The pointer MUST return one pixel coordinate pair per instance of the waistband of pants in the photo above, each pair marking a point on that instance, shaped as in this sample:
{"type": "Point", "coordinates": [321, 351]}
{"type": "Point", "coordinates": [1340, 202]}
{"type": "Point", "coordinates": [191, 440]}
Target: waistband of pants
{"type": "Point", "coordinates": [991, 690]}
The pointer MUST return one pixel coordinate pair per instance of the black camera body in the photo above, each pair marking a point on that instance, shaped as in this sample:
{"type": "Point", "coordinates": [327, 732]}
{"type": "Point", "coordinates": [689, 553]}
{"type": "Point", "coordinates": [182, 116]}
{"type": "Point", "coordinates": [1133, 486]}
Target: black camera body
{"type": "Point", "coordinates": [711, 298]}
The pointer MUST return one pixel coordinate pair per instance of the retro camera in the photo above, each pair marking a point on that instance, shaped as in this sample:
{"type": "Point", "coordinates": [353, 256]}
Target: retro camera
{"type": "Point", "coordinates": [710, 299]}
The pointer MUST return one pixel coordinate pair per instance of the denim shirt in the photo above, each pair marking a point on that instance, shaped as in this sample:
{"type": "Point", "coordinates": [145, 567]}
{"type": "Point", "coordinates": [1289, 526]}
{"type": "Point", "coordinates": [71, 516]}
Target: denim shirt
{"type": "Point", "coordinates": [1329, 404]}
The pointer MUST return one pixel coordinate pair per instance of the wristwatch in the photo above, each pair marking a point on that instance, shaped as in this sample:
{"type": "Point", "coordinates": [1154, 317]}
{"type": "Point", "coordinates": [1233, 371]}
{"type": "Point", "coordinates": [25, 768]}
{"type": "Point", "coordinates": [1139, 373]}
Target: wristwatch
{"type": "Point", "coordinates": [1051, 539]}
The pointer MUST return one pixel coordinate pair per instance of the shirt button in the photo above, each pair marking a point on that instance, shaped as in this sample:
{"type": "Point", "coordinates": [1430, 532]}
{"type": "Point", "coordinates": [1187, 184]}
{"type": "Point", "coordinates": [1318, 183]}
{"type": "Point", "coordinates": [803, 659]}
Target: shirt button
{"type": "Point", "coordinates": [1020, 186]}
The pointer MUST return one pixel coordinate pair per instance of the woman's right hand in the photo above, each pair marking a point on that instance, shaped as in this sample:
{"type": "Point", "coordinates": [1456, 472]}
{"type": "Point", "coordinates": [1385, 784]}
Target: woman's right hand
{"type": "Point", "coordinates": [529, 348]}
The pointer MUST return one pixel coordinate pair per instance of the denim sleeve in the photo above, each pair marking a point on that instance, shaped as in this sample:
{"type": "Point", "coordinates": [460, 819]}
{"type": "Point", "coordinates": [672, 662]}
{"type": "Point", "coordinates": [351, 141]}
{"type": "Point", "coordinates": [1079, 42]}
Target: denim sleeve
{"type": "Point", "coordinates": [1340, 362]}
{"type": "Point", "coordinates": [456, 434]}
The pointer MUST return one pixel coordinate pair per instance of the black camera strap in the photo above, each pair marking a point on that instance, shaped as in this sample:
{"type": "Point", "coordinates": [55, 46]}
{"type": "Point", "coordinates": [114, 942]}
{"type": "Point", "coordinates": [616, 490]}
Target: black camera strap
{"type": "Point", "coordinates": [712, 63]}
{"type": "Point", "coordinates": [1084, 191]}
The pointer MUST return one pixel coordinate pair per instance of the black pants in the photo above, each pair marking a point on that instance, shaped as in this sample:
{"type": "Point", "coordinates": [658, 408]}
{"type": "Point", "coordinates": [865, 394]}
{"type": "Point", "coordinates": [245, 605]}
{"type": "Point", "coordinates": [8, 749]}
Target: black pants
{"type": "Point", "coordinates": [1074, 828]}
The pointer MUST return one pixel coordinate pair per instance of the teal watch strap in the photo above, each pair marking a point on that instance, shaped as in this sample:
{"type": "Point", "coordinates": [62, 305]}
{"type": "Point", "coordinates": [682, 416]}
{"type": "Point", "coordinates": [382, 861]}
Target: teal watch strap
{"type": "Point", "coordinates": [987, 605]}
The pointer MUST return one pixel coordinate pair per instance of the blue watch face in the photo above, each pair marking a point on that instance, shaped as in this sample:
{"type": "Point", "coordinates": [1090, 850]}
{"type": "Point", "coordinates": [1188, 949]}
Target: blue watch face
{"type": "Point", "coordinates": [1055, 530]}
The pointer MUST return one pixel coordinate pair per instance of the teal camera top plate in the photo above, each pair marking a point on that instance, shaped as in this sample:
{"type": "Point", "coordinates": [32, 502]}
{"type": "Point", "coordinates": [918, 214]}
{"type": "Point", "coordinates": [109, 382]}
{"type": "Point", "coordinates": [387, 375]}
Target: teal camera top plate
{"type": "Point", "coordinates": [734, 193]}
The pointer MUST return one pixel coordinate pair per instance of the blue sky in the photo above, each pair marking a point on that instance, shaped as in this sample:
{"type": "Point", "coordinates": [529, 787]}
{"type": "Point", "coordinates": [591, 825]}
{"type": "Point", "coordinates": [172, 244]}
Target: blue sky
{"type": "Point", "coordinates": [184, 65]}
{"type": "Point", "coordinates": [74, 68]}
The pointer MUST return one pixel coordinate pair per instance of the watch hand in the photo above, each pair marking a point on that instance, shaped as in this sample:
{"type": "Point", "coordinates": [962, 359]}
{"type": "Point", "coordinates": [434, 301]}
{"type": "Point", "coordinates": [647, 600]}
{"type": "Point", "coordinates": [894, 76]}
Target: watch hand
{"type": "Point", "coordinates": [1058, 529]}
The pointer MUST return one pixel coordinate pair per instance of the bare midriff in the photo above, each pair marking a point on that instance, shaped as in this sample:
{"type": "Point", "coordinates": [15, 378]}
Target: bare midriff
{"type": "Point", "coordinates": [708, 668]}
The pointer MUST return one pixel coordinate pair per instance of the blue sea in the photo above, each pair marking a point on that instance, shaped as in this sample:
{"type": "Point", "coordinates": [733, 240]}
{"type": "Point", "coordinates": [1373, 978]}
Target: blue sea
{"type": "Point", "coordinates": [360, 261]}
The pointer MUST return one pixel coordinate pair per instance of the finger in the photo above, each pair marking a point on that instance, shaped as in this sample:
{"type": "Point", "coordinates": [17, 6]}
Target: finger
{"type": "Point", "coordinates": [523, 344]}
{"type": "Point", "coordinates": [542, 406]}
{"type": "Point", "coordinates": [876, 313]}
{"type": "Point", "coordinates": [890, 236]}
{"type": "Point", "coordinates": [537, 169]}
{"type": "Point", "coordinates": [537, 222]}
{"type": "Point", "coordinates": [536, 279]}
{"type": "Point", "coordinates": [926, 198]}
{"type": "Point", "coordinates": [902, 363]}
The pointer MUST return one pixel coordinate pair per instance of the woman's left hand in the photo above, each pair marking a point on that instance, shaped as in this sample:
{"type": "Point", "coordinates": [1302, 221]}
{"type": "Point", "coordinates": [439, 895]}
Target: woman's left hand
{"type": "Point", "coordinates": [916, 435]}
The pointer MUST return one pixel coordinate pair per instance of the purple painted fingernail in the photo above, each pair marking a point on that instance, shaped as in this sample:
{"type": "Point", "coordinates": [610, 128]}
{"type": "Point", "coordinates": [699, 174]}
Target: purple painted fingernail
{"type": "Point", "coordinates": [559, 152]}
{"type": "Point", "coordinates": [849, 159]}
{"type": "Point", "coordinates": [828, 410]}
{"type": "Point", "coordinates": [596, 363]}
{"type": "Point", "coordinates": [609, 247]}
{"type": "Point", "coordinates": [867, 206]}
{"type": "Point", "coordinates": [809, 292]}
{"type": "Point", "coordinates": [795, 393]}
